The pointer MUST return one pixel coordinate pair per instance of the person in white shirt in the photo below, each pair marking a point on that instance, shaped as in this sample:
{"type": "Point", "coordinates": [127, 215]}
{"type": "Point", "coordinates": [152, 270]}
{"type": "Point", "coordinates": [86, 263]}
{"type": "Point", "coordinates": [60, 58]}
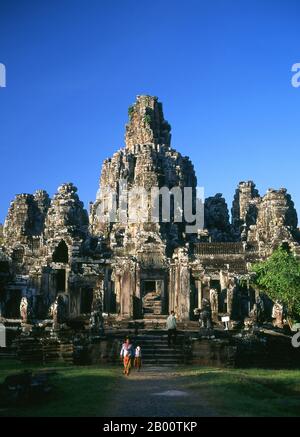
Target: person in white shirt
{"type": "Point", "coordinates": [171, 327]}
{"type": "Point", "coordinates": [138, 358]}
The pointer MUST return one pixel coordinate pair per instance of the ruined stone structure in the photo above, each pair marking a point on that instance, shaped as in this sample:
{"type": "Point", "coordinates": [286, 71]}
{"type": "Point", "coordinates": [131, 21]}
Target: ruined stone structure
{"type": "Point", "coordinates": [269, 220]}
{"type": "Point", "coordinates": [69, 265]}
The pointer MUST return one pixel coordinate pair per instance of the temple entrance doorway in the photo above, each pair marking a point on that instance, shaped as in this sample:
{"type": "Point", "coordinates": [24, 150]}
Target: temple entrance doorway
{"type": "Point", "coordinates": [86, 300]}
{"type": "Point", "coordinates": [12, 307]}
{"type": "Point", "coordinates": [152, 297]}
{"type": "Point", "coordinates": [149, 287]}
{"type": "Point", "coordinates": [60, 281]}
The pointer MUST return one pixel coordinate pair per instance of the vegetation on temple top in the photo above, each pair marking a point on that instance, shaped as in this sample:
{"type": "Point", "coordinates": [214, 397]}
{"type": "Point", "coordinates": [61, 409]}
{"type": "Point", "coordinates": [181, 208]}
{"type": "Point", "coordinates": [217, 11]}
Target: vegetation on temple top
{"type": "Point", "coordinates": [279, 278]}
{"type": "Point", "coordinates": [130, 110]}
{"type": "Point", "coordinates": [147, 119]}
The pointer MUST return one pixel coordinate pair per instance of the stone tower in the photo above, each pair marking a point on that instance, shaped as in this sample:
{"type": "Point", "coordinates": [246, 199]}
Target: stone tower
{"type": "Point", "coordinates": [147, 124]}
{"type": "Point", "coordinates": [142, 247]}
{"type": "Point", "coordinates": [276, 220]}
{"type": "Point", "coordinates": [267, 220]}
{"type": "Point", "coordinates": [66, 221]}
{"type": "Point", "coordinates": [245, 206]}
{"type": "Point", "coordinates": [24, 225]}
{"type": "Point", "coordinates": [147, 161]}
{"type": "Point", "coordinates": [25, 218]}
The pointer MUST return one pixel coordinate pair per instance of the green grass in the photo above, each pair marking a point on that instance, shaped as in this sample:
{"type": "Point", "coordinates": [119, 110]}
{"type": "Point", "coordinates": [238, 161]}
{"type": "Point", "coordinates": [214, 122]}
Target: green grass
{"type": "Point", "coordinates": [84, 391]}
{"type": "Point", "coordinates": [247, 392]}
{"type": "Point", "coordinates": [78, 391]}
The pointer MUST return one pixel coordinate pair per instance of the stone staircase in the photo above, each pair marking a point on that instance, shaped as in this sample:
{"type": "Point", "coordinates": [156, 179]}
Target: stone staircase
{"type": "Point", "coordinates": [150, 322]}
{"type": "Point", "coordinates": [7, 353]}
{"type": "Point", "coordinates": [152, 305]}
{"type": "Point", "coordinates": [157, 353]}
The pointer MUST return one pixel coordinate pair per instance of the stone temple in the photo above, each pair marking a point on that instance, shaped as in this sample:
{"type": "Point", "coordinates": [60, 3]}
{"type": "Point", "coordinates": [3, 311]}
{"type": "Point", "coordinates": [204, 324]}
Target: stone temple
{"type": "Point", "coordinates": [57, 258]}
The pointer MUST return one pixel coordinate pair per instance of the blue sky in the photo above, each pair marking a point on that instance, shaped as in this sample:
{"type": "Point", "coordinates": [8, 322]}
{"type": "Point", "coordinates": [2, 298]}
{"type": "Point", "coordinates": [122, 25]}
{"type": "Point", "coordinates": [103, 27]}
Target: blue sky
{"type": "Point", "coordinates": [221, 68]}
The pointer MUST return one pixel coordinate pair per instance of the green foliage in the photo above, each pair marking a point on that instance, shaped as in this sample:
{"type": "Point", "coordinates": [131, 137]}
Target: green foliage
{"type": "Point", "coordinates": [279, 278]}
{"type": "Point", "coordinates": [130, 111]}
{"type": "Point", "coordinates": [147, 119]}
{"type": "Point", "coordinates": [247, 392]}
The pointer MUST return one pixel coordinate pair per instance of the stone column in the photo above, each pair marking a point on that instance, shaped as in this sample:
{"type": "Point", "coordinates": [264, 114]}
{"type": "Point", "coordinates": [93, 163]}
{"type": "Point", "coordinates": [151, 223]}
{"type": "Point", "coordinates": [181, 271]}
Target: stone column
{"type": "Point", "coordinates": [125, 294]}
{"type": "Point", "coordinates": [185, 292]}
{"type": "Point", "coordinates": [98, 295]}
{"type": "Point", "coordinates": [160, 289]}
{"type": "Point", "coordinates": [118, 293]}
{"type": "Point", "coordinates": [199, 288]}
{"type": "Point", "coordinates": [183, 285]}
{"type": "Point", "coordinates": [68, 272]}
{"type": "Point", "coordinates": [171, 288]}
{"type": "Point", "coordinates": [229, 300]}
{"type": "Point", "coordinates": [214, 303]}
{"type": "Point", "coordinates": [176, 306]}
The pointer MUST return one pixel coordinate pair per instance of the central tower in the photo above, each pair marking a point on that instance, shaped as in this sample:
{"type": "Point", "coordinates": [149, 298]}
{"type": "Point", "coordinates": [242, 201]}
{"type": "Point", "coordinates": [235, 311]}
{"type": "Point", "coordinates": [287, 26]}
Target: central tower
{"type": "Point", "coordinates": [142, 249]}
{"type": "Point", "coordinates": [147, 124]}
{"type": "Point", "coordinates": [146, 162]}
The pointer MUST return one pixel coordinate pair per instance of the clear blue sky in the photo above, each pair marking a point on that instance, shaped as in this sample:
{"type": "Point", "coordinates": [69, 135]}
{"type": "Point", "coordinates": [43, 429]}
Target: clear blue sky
{"type": "Point", "coordinates": [221, 68]}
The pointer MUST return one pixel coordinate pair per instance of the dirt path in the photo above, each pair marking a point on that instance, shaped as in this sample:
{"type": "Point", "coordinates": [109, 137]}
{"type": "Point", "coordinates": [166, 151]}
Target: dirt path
{"type": "Point", "coordinates": [156, 392]}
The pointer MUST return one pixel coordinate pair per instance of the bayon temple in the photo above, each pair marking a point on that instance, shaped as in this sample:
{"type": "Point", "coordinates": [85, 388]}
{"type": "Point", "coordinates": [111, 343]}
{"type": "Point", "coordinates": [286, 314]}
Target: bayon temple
{"type": "Point", "coordinates": [63, 263]}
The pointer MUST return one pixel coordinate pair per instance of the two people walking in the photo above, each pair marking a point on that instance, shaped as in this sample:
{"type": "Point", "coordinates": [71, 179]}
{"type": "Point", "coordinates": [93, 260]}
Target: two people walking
{"type": "Point", "coordinates": [131, 355]}
{"type": "Point", "coordinates": [128, 354]}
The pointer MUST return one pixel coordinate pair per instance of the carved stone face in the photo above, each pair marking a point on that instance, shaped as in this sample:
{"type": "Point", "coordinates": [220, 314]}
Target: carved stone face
{"type": "Point", "coordinates": [216, 213]}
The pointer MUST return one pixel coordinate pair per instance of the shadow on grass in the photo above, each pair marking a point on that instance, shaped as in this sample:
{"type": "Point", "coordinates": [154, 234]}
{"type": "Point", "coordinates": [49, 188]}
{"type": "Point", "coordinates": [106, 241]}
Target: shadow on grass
{"type": "Point", "coordinates": [77, 391]}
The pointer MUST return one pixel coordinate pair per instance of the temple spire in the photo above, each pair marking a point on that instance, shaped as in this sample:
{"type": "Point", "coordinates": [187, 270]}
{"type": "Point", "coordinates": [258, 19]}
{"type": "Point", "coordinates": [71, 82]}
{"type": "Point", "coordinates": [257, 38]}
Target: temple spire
{"type": "Point", "coordinates": [147, 124]}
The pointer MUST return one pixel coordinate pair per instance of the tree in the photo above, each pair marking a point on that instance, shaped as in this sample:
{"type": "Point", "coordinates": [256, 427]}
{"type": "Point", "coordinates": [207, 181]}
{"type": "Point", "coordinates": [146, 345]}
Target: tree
{"type": "Point", "coordinates": [279, 278]}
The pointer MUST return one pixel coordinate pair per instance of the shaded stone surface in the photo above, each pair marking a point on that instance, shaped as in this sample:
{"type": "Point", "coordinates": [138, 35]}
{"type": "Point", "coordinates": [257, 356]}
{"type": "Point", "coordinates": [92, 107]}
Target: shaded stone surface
{"type": "Point", "coordinates": [217, 220]}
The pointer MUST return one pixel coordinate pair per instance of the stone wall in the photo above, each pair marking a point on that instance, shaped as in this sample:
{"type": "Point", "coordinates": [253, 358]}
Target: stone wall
{"type": "Point", "coordinates": [215, 353]}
